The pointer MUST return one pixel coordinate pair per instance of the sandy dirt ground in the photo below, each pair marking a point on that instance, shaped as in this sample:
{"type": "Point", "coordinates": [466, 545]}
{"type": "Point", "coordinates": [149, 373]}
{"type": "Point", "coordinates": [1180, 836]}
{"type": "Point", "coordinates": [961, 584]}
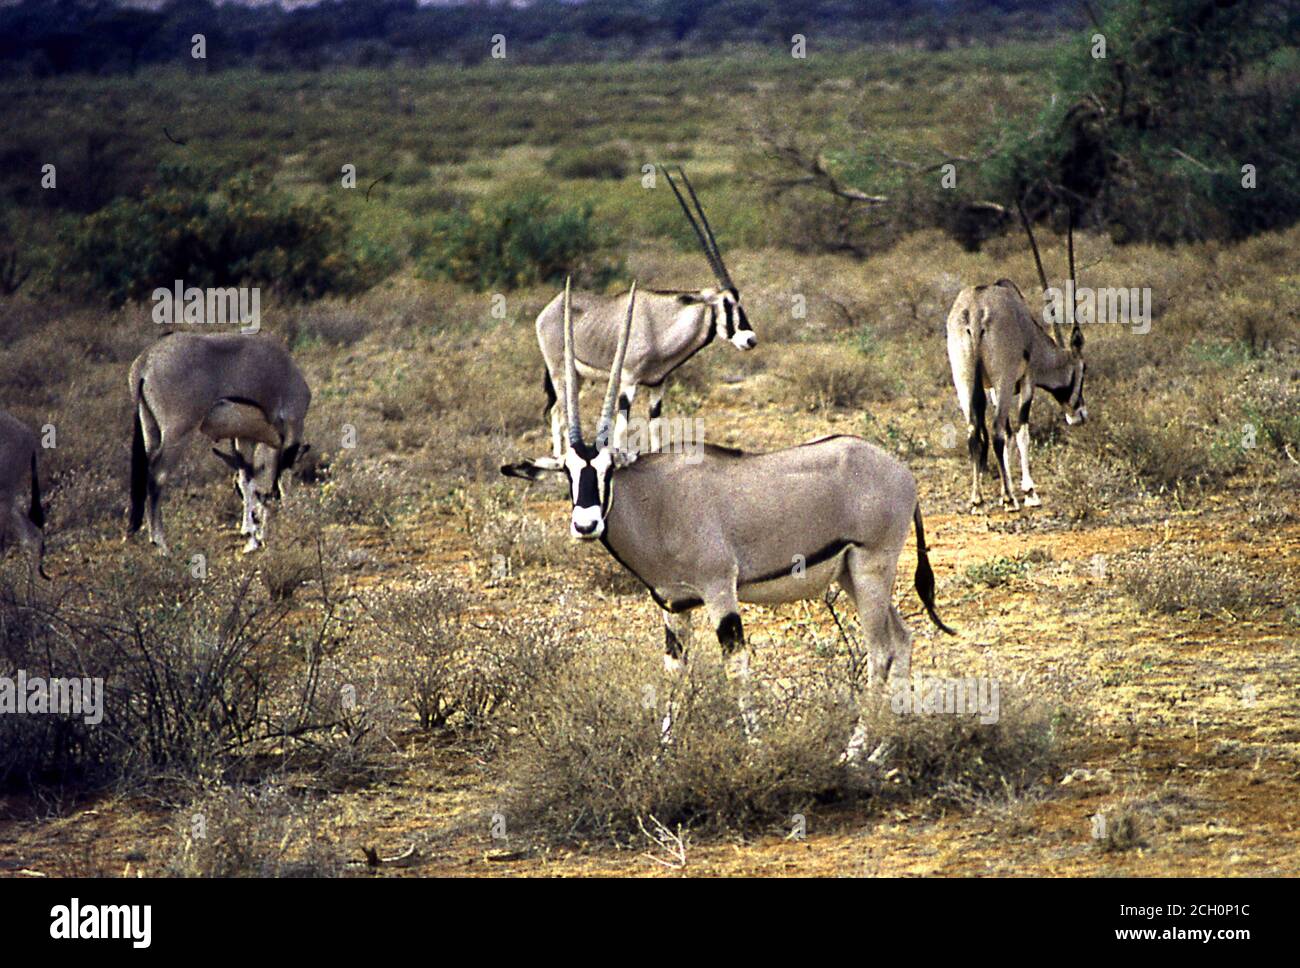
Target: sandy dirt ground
{"type": "Point", "coordinates": [1192, 721]}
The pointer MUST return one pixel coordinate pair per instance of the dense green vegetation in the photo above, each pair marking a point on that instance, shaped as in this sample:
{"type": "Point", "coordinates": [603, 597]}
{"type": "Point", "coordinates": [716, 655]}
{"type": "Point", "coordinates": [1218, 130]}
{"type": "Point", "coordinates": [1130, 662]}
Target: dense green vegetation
{"type": "Point", "coordinates": [60, 36]}
{"type": "Point", "coordinates": [430, 143]}
{"type": "Point", "coordinates": [884, 143]}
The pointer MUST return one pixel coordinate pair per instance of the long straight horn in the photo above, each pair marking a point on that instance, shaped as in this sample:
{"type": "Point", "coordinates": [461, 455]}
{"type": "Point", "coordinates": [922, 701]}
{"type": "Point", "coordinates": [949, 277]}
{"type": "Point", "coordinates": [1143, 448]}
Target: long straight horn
{"type": "Point", "coordinates": [1076, 335]}
{"type": "Point", "coordinates": [1038, 262]}
{"type": "Point", "coordinates": [615, 375]}
{"type": "Point", "coordinates": [719, 266]}
{"type": "Point", "coordinates": [709, 254]}
{"type": "Point", "coordinates": [571, 414]}
{"type": "Point", "coordinates": [1069, 244]}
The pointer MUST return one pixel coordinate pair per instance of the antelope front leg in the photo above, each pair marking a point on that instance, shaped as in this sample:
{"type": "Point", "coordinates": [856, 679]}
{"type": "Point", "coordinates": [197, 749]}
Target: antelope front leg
{"type": "Point", "coordinates": [656, 419]}
{"type": "Point", "coordinates": [677, 642]}
{"type": "Point", "coordinates": [731, 636]}
{"type": "Point", "coordinates": [557, 434]}
{"type": "Point", "coordinates": [625, 398]}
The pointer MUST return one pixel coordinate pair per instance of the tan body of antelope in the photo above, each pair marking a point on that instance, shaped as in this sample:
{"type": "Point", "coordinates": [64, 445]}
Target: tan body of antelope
{"type": "Point", "coordinates": [999, 354]}
{"type": "Point", "coordinates": [22, 517]}
{"type": "Point", "coordinates": [668, 328]}
{"type": "Point", "coordinates": [241, 388]}
{"type": "Point", "coordinates": [715, 529]}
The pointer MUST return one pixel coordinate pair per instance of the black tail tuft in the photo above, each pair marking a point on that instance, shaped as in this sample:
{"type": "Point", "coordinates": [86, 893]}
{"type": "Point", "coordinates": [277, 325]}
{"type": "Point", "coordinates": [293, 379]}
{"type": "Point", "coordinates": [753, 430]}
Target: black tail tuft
{"type": "Point", "coordinates": [139, 468]}
{"type": "Point", "coordinates": [924, 575]}
{"type": "Point", "coordinates": [979, 444]}
{"type": "Point", "coordinates": [36, 513]}
{"type": "Point", "coordinates": [549, 387]}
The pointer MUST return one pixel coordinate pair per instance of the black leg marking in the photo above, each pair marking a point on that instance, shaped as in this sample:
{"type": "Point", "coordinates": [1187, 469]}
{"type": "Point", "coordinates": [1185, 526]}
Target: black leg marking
{"type": "Point", "coordinates": [999, 444]}
{"type": "Point", "coordinates": [1024, 411]}
{"type": "Point", "coordinates": [731, 634]}
{"type": "Point", "coordinates": [672, 644]}
{"type": "Point", "coordinates": [624, 404]}
{"type": "Point", "coordinates": [655, 409]}
{"type": "Point", "coordinates": [549, 388]}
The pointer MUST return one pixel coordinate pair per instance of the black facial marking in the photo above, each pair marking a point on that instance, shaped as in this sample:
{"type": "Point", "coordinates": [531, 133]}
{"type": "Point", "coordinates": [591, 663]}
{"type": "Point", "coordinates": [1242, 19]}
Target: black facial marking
{"type": "Point", "coordinates": [587, 494]}
{"type": "Point", "coordinates": [742, 324]}
{"type": "Point", "coordinates": [284, 461]}
{"type": "Point", "coordinates": [729, 309]}
{"type": "Point", "coordinates": [1063, 394]}
{"type": "Point", "coordinates": [731, 634]}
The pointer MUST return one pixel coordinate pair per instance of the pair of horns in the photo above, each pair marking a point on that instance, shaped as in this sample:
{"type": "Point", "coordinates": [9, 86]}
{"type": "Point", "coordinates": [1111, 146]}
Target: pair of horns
{"type": "Point", "coordinates": [703, 231]}
{"type": "Point", "coordinates": [572, 416]}
{"type": "Point", "coordinates": [1038, 261]}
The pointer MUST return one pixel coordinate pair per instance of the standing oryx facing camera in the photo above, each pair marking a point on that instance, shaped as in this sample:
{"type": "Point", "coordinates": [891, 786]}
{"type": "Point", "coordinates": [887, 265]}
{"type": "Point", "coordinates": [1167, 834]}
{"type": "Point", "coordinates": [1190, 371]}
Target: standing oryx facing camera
{"type": "Point", "coordinates": [245, 389]}
{"type": "Point", "coordinates": [726, 527]}
{"type": "Point", "coordinates": [668, 329]}
{"type": "Point", "coordinates": [996, 345]}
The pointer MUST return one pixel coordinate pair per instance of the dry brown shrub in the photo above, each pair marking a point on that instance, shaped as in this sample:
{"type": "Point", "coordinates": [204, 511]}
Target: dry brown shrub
{"type": "Point", "coordinates": [589, 757]}
{"type": "Point", "coordinates": [260, 830]}
{"type": "Point", "coordinates": [1170, 580]}
{"type": "Point", "coordinates": [834, 377]}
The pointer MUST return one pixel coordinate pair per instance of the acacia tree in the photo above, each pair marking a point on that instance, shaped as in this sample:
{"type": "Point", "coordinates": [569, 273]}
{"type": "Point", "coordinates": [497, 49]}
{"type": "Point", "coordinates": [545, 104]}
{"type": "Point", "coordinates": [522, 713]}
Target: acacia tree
{"type": "Point", "coordinates": [1159, 108]}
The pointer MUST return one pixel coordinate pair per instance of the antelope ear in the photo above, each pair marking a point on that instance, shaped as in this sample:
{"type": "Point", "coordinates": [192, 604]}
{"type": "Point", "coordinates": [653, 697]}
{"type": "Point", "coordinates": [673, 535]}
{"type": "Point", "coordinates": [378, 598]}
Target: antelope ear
{"type": "Point", "coordinates": [531, 470]}
{"type": "Point", "coordinates": [624, 458]}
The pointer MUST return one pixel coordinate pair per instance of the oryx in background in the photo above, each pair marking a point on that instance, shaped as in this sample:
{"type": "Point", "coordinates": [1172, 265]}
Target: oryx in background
{"type": "Point", "coordinates": [996, 346]}
{"type": "Point", "coordinates": [21, 513]}
{"type": "Point", "coordinates": [724, 527]}
{"type": "Point", "coordinates": [669, 327]}
{"type": "Point", "coordinates": [241, 388]}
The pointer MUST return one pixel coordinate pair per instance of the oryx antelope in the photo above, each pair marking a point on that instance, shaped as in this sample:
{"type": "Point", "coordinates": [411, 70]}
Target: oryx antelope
{"type": "Point", "coordinates": [21, 513]}
{"type": "Point", "coordinates": [997, 347]}
{"type": "Point", "coordinates": [669, 327]}
{"type": "Point", "coordinates": [732, 527]}
{"type": "Point", "coordinates": [241, 388]}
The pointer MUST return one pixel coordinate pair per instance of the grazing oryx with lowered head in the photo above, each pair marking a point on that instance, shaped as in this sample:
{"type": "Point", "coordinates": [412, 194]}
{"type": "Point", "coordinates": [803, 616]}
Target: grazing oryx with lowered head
{"type": "Point", "coordinates": [21, 518]}
{"type": "Point", "coordinates": [668, 329]}
{"type": "Point", "coordinates": [723, 527]}
{"type": "Point", "coordinates": [997, 347]}
{"type": "Point", "coordinates": [241, 388]}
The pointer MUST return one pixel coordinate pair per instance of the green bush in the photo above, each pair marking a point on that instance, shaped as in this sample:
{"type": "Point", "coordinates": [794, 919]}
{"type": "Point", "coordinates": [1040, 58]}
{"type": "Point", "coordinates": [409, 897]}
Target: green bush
{"type": "Point", "coordinates": [243, 234]}
{"type": "Point", "coordinates": [607, 161]}
{"type": "Point", "coordinates": [511, 242]}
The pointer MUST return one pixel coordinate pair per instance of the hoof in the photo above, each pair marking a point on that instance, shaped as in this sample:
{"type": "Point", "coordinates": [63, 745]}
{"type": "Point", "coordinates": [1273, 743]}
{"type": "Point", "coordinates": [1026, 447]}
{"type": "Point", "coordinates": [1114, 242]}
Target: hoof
{"type": "Point", "coordinates": [1032, 500]}
{"type": "Point", "coordinates": [252, 545]}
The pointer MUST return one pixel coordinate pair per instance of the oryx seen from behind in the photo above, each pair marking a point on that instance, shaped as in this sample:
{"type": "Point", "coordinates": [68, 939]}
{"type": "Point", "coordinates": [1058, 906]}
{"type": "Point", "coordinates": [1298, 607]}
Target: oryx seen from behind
{"type": "Point", "coordinates": [721, 527]}
{"type": "Point", "coordinates": [999, 350]}
{"type": "Point", "coordinates": [241, 388]}
{"type": "Point", "coordinates": [22, 517]}
{"type": "Point", "coordinates": [669, 327]}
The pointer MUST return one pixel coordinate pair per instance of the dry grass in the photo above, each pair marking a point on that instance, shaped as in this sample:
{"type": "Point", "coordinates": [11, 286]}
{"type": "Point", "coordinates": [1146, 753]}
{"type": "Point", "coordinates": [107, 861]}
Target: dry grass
{"type": "Point", "coordinates": [1181, 579]}
{"type": "Point", "coordinates": [590, 757]}
{"type": "Point", "coordinates": [261, 830]}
